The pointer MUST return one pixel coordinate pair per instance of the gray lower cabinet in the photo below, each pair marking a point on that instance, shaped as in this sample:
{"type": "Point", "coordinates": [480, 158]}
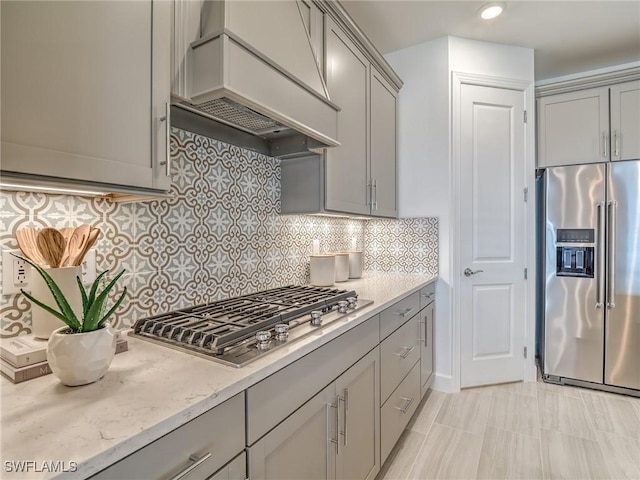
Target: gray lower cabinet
{"type": "Point", "coordinates": [426, 334]}
{"type": "Point", "coordinates": [195, 450]}
{"type": "Point", "coordinates": [85, 92]}
{"type": "Point", "coordinates": [398, 410]}
{"type": "Point", "coordinates": [335, 435]}
{"type": "Point", "coordinates": [358, 419]}
{"type": "Point", "coordinates": [302, 446]}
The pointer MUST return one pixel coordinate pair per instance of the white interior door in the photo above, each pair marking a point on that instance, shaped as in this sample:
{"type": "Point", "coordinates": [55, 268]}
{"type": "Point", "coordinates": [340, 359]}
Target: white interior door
{"type": "Point", "coordinates": [492, 235]}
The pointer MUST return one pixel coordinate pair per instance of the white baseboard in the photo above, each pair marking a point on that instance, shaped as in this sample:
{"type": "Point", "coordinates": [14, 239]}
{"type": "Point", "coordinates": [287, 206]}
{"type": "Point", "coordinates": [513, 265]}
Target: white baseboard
{"type": "Point", "coordinates": [444, 383]}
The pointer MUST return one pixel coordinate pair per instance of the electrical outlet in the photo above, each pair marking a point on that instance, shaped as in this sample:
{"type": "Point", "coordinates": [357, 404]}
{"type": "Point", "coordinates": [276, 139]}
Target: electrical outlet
{"type": "Point", "coordinates": [89, 267]}
{"type": "Point", "coordinates": [16, 273]}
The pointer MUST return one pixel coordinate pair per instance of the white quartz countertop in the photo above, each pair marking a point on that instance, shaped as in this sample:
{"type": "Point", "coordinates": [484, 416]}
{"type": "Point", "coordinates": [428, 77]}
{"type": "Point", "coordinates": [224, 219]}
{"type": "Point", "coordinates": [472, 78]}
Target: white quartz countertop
{"type": "Point", "coordinates": [147, 392]}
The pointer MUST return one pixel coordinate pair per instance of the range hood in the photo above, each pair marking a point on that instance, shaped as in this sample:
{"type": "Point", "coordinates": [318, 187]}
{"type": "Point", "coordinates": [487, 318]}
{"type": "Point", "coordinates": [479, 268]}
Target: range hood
{"type": "Point", "coordinates": [254, 67]}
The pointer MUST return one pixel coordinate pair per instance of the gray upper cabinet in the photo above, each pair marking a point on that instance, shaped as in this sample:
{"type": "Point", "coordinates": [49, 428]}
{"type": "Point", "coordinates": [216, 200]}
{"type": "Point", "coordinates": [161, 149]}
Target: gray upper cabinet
{"type": "Point", "coordinates": [574, 127]}
{"type": "Point", "coordinates": [85, 89]}
{"type": "Point", "coordinates": [383, 147]}
{"type": "Point", "coordinates": [358, 177]}
{"type": "Point", "coordinates": [625, 121]}
{"type": "Point", "coordinates": [347, 72]}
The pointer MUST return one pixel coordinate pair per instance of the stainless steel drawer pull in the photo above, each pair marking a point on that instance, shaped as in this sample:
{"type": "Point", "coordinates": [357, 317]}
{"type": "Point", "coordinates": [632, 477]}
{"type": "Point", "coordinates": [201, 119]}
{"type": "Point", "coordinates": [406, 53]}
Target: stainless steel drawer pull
{"type": "Point", "coordinates": [404, 312]}
{"type": "Point", "coordinates": [197, 461]}
{"type": "Point", "coordinates": [406, 408]}
{"type": "Point", "coordinates": [407, 352]}
{"type": "Point", "coordinates": [428, 295]}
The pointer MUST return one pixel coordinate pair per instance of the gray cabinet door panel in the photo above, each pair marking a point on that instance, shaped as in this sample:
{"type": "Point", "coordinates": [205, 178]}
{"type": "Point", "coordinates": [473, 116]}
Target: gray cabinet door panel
{"type": "Point", "coordinates": [625, 121]}
{"type": "Point", "coordinates": [347, 73]}
{"type": "Point", "coordinates": [383, 147]}
{"type": "Point", "coordinates": [399, 352]}
{"type": "Point", "coordinates": [301, 447]}
{"type": "Point", "coordinates": [84, 88]}
{"type": "Point", "coordinates": [426, 347]}
{"type": "Point", "coordinates": [573, 128]}
{"type": "Point", "coordinates": [398, 410]}
{"type": "Point", "coordinates": [359, 408]}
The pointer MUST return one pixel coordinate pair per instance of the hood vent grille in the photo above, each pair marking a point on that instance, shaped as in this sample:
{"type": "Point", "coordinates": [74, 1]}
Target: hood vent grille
{"type": "Point", "coordinates": [239, 116]}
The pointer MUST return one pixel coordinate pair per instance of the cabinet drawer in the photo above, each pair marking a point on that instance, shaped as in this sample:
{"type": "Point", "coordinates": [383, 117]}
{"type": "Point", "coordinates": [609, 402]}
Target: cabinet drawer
{"type": "Point", "coordinates": [398, 410]}
{"type": "Point", "coordinates": [398, 354]}
{"type": "Point", "coordinates": [427, 295]}
{"type": "Point", "coordinates": [218, 433]}
{"type": "Point", "coordinates": [393, 317]}
{"type": "Point", "coordinates": [276, 397]}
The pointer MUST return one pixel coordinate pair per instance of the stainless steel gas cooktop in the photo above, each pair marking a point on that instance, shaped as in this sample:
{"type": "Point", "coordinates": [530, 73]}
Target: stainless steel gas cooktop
{"type": "Point", "coordinates": [238, 330]}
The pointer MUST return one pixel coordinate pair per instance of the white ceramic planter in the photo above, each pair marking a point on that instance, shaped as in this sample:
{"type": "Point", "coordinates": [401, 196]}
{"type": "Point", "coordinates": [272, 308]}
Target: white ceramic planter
{"type": "Point", "coordinates": [42, 322]}
{"type": "Point", "coordinates": [355, 264]}
{"type": "Point", "coordinates": [81, 358]}
{"type": "Point", "coordinates": [342, 267]}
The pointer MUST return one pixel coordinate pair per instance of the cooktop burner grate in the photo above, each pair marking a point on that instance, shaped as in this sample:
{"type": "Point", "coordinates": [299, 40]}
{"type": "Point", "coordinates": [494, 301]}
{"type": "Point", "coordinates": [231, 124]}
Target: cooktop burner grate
{"type": "Point", "coordinates": [212, 328]}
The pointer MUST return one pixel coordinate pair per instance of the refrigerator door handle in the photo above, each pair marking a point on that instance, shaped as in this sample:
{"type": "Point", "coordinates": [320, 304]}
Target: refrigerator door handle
{"type": "Point", "coordinates": [601, 254]}
{"type": "Point", "coordinates": [611, 248]}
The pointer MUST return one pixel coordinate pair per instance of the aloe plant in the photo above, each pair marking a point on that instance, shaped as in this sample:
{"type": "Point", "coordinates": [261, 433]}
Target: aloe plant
{"type": "Point", "coordinates": [92, 301]}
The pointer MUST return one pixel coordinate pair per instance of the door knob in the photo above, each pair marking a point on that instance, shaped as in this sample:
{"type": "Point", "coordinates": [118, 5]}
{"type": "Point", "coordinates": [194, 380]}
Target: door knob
{"type": "Point", "coordinates": [468, 272]}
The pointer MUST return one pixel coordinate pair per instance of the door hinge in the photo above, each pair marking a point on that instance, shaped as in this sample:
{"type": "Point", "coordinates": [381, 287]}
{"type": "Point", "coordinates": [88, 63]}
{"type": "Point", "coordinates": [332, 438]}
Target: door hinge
{"type": "Point", "coordinates": [526, 273]}
{"type": "Point", "coordinates": [525, 352]}
{"type": "Point", "coordinates": [525, 192]}
{"type": "Point", "coordinates": [525, 116]}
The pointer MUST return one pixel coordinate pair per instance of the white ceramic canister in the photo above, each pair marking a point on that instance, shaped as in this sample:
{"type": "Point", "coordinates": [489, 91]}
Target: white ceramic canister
{"type": "Point", "coordinates": [42, 322]}
{"type": "Point", "coordinates": [355, 264]}
{"type": "Point", "coordinates": [342, 267]}
{"type": "Point", "coordinates": [322, 270]}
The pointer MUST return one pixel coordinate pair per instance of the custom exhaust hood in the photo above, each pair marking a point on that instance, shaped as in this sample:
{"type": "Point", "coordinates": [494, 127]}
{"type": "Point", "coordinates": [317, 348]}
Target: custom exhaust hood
{"type": "Point", "coordinates": [254, 66]}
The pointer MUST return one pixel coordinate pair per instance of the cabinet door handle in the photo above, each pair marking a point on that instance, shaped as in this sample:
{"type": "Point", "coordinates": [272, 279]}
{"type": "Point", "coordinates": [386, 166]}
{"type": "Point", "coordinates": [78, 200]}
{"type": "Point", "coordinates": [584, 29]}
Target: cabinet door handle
{"type": "Point", "coordinates": [167, 125]}
{"type": "Point", "coordinates": [406, 408]}
{"type": "Point", "coordinates": [337, 439]}
{"type": "Point", "coordinates": [404, 312]}
{"type": "Point", "coordinates": [426, 337]}
{"type": "Point", "coordinates": [428, 295]}
{"type": "Point", "coordinates": [346, 410]}
{"type": "Point", "coordinates": [407, 352]}
{"type": "Point", "coordinates": [197, 461]}
{"type": "Point", "coordinates": [604, 145]}
{"type": "Point", "coordinates": [370, 194]}
{"type": "Point", "coordinates": [375, 195]}
{"type": "Point", "coordinates": [616, 149]}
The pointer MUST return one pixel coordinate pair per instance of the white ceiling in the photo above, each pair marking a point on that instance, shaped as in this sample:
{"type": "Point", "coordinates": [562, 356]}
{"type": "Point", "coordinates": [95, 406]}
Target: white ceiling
{"type": "Point", "coordinates": [568, 36]}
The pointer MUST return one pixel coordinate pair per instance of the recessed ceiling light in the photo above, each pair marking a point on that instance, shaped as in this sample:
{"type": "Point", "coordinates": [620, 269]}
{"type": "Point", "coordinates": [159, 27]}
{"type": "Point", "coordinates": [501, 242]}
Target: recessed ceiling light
{"type": "Point", "coordinates": [491, 10]}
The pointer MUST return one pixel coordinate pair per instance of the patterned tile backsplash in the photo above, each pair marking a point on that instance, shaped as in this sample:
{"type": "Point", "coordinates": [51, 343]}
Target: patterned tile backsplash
{"type": "Point", "coordinates": [219, 235]}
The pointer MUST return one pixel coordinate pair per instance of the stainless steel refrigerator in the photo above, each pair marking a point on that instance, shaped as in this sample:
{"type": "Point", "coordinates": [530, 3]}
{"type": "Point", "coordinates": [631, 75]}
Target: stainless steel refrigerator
{"type": "Point", "coordinates": [592, 276]}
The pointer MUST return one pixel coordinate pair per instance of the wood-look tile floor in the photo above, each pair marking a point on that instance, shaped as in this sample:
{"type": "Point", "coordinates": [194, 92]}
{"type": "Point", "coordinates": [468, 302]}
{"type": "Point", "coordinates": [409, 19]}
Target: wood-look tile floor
{"type": "Point", "coordinates": [520, 431]}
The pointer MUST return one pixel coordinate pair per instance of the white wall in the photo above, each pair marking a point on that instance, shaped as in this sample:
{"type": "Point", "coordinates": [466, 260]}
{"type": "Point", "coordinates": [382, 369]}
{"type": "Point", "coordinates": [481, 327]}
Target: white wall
{"type": "Point", "coordinates": [425, 162]}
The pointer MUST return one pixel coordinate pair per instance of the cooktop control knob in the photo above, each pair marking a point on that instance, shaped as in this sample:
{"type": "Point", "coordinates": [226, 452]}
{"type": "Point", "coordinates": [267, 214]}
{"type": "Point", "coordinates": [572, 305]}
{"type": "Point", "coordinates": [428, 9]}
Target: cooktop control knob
{"type": "Point", "coordinates": [342, 306]}
{"type": "Point", "coordinates": [282, 331]}
{"type": "Point", "coordinates": [262, 340]}
{"type": "Point", "coordinates": [316, 318]}
{"type": "Point", "coordinates": [353, 302]}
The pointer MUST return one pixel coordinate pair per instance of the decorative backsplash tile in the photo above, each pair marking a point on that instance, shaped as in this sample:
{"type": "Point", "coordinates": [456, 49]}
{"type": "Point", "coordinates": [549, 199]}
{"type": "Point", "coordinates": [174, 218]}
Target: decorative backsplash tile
{"type": "Point", "coordinates": [220, 235]}
{"type": "Point", "coordinates": [408, 245]}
